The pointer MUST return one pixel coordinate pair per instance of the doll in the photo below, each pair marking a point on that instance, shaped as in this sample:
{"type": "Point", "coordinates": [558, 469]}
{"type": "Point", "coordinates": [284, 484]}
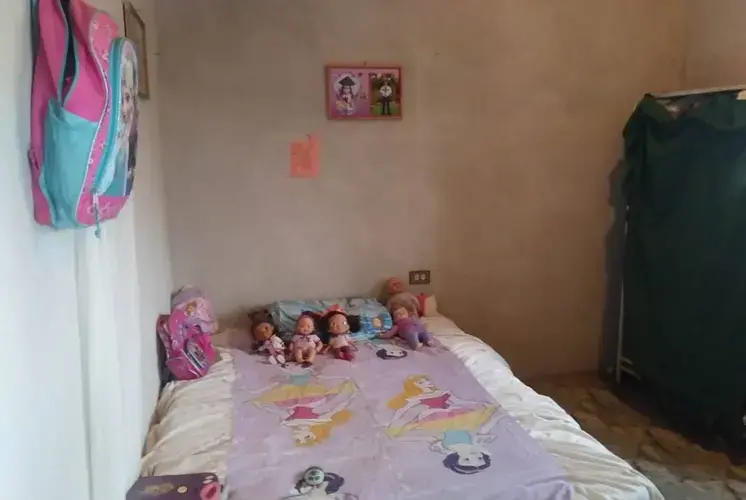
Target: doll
{"type": "Point", "coordinates": [409, 328]}
{"type": "Point", "coordinates": [338, 324]}
{"type": "Point", "coordinates": [398, 295]}
{"type": "Point", "coordinates": [263, 330]}
{"type": "Point", "coordinates": [305, 343]}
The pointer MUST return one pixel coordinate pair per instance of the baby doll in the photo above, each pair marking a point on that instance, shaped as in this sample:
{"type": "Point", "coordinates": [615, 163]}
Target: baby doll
{"type": "Point", "coordinates": [305, 343]}
{"type": "Point", "coordinates": [408, 328]}
{"type": "Point", "coordinates": [398, 295]}
{"type": "Point", "coordinates": [338, 325]}
{"type": "Point", "coordinates": [263, 330]}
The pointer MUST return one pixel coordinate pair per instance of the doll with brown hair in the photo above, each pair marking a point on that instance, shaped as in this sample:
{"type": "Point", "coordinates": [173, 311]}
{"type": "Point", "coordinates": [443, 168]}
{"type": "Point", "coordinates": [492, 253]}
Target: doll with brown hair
{"type": "Point", "coordinates": [305, 344]}
{"type": "Point", "coordinates": [266, 340]}
{"type": "Point", "coordinates": [337, 324]}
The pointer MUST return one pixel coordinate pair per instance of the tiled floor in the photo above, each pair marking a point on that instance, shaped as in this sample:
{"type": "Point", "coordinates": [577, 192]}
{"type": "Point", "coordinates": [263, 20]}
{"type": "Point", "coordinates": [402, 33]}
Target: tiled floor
{"type": "Point", "coordinates": [681, 469]}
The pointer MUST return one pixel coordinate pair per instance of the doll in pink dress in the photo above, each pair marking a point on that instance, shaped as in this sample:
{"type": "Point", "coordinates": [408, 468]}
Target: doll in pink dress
{"type": "Point", "coordinates": [408, 328]}
{"type": "Point", "coordinates": [305, 344]}
{"type": "Point", "coordinates": [338, 324]}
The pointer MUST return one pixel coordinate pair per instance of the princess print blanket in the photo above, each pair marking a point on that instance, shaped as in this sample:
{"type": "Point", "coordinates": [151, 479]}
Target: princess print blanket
{"type": "Point", "coordinates": [393, 424]}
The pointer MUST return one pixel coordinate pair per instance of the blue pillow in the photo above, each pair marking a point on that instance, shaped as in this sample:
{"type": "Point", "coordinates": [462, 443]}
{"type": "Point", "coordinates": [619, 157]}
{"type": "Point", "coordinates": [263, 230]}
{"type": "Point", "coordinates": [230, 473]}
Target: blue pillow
{"type": "Point", "coordinates": [374, 318]}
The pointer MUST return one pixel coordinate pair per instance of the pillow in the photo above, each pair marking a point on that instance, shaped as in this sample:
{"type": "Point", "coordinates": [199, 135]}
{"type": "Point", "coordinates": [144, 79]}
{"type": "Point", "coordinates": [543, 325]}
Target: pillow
{"type": "Point", "coordinates": [374, 318]}
{"type": "Point", "coordinates": [428, 305]}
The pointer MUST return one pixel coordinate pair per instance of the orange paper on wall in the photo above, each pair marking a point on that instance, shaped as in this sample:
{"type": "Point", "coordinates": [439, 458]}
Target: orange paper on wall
{"type": "Point", "coordinates": [304, 157]}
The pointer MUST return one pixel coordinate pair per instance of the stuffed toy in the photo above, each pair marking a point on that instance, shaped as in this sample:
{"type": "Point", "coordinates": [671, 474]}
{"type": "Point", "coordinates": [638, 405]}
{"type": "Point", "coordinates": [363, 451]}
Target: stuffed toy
{"type": "Point", "coordinates": [397, 294]}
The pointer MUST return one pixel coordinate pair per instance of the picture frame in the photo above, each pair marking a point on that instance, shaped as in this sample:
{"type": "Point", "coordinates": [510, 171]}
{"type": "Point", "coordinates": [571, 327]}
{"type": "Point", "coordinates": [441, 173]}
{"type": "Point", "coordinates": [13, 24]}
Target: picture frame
{"type": "Point", "coordinates": [134, 29]}
{"type": "Point", "coordinates": [364, 92]}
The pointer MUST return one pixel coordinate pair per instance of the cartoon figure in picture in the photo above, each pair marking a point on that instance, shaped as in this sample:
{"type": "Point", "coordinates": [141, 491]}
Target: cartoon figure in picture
{"type": "Point", "coordinates": [456, 428]}
{"type": "Point", "coordinates": [319, 484]}
{"type": "Point", "coordinates": [310, 405]}
{"type": "Point", "coordinates": [387, 94]}
{"type": "Point", "coordinates": [127, 131]}
{"type": "Point", "coordinates": [347, 89]}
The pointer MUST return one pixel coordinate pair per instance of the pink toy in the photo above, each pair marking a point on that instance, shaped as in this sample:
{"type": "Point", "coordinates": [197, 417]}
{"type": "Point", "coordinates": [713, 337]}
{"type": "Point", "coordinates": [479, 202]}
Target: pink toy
{"type": "Point", "coordinates": [305, 343]}
{"type": "Point", "coordinates": [398, 295]}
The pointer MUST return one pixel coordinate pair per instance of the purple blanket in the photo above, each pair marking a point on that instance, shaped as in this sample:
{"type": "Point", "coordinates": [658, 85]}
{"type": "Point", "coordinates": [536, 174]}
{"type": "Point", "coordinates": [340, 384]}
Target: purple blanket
{"type": "Point", "coordinates": [393, 424]}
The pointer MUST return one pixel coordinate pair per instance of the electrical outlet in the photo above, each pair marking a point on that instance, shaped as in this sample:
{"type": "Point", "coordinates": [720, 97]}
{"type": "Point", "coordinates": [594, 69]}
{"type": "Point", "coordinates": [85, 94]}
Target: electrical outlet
{"type": "Point", "coordinates": [421, 277]}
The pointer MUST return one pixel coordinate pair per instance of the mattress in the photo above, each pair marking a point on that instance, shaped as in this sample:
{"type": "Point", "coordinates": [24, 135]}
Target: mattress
{"type": "Point", "coordinates": [194, 423]}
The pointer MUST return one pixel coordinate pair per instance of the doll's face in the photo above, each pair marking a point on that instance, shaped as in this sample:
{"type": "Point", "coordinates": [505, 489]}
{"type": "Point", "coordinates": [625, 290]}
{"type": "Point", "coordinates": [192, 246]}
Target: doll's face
{"type": "Point", "coordinates": [400, 313]}
{"type": "Point", "coordinates": [338, 324]}
{"type": "Point", "coordinates": [395, 286]}
{"type": "Point", "coordinates": [304, 326]}
{"type": "Point", "coordinates": [263, 331]}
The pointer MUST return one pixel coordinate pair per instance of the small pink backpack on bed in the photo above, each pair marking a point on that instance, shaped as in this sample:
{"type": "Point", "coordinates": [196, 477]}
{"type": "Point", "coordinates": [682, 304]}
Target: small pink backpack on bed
{"type": "Point", "coordinates": [185, 334]}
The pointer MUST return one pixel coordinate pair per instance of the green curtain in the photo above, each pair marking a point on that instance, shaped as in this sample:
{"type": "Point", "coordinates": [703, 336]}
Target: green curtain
{"type": "Point", "coordinates": [685, 255]}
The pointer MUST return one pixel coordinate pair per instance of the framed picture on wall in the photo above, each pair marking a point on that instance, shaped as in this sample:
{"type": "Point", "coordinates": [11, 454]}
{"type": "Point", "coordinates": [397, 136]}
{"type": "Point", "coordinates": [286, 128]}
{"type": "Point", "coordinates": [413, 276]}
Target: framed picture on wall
{"type": "Point", "coordinates": [363, 92]}
{"type": "Point", "coordinates": [134, 29]}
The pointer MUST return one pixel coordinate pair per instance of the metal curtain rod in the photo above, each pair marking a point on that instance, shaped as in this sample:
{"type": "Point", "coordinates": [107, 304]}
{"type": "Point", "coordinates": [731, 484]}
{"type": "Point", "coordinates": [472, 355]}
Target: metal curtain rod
{"type": "Point", "coordinates": [712, 90]}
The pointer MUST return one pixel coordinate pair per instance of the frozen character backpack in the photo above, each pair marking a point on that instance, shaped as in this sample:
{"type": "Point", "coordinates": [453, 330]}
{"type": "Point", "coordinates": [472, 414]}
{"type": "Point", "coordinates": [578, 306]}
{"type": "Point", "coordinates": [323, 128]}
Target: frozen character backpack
{"type": "Point", "coordinates": [185, 334]}
{"type": "Point", "coordinates": [83, 115]}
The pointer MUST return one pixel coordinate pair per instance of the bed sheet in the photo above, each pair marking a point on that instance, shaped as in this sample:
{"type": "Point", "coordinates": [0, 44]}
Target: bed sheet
{"type": "Point", "coordinates": [194, 423]}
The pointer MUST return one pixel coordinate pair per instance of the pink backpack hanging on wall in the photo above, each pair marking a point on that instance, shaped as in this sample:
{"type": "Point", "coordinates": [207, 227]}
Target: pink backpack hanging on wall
{"type": "Point", "coordinates": [83, 115]}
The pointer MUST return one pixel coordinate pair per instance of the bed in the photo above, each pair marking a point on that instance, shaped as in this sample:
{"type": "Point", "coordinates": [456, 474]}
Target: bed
{"type": "Point", "coordinates": [216, 425]}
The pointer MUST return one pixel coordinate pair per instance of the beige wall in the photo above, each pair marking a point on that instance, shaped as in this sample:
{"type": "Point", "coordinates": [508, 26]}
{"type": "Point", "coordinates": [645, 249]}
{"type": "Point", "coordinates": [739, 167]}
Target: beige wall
{"type": "Point", "coordinates": [496, 179]}
{"type": "Point", "coordinates": [716, 43]}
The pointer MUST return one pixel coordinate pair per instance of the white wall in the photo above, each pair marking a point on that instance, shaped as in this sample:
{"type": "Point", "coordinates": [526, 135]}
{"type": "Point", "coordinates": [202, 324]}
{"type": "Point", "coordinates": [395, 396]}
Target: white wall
{"type": "Point", "coordinates": [45, 433]}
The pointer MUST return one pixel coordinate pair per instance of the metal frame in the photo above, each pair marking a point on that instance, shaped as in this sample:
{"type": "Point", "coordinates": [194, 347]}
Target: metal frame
{"type": "Point", "coordinates": [623, 364]}
{"type": "Point", "coordinates": [711, 90]}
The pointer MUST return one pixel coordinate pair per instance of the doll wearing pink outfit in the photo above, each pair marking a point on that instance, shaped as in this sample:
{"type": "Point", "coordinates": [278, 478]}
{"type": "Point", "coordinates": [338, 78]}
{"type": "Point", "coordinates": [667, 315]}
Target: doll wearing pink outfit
{"type": "Point", "coordinates": [305, 344]}
{"type": "Point", "coordinates": [337, 325]}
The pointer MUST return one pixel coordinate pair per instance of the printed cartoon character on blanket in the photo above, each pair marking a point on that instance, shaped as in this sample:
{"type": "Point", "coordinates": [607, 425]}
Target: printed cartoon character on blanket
{"type": "Point", "coordinates": [321, 485]}
{"type": "Point", "coordinates": [309, 404]}
{"type": "Point", "coordinates": [386, 350]}
{"type": "Point", "coordinates": [452, 426]}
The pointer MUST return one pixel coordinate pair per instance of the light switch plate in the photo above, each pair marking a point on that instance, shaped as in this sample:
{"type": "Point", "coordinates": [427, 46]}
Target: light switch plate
{"type": "Point", "coordinates": [421, 277]}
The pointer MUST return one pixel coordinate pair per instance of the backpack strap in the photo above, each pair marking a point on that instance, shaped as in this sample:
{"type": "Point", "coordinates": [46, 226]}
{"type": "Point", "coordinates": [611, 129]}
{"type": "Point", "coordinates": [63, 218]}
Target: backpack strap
{"type": "Point", "coordinates": [34, 9]}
